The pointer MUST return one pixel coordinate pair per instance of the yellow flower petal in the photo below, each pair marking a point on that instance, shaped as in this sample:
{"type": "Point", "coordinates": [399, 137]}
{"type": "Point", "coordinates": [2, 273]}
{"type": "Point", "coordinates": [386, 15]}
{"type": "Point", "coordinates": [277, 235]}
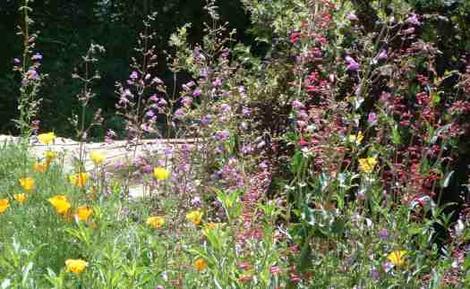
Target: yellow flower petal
{"type": "Point", "coordinates": [20, 198]}
{"type": "Point", "coordinates": [155, 222]}
{"type": "Point", "coordinates": [367, 165]}
{"type": "Point", "coordinates": [397, 258]}
{"type": "Point", "coordinates": [195, 217]}
{"type": "Point", "coordinates": [4, 204]}
{"type": "Point", "coordinates": [27, 183]}
{"type": "Point", "coordinates": [161, 174]}
{"type": "Point", "coordinates": [46, 138]}
{"type": "Point", "coordinates": [200, 264]}
{"type": "Point", "coordinates": [79, 179]}
{"type": "Point", "coordinates": [83, 213]}
{"type": "Point", "coordinates": [60, 204]}
{"type": "Point", "coordinates": [97, 158]}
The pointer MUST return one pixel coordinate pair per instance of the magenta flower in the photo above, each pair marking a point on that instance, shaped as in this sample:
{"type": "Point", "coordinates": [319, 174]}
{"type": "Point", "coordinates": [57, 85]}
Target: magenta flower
{"type": "Point", "coordinates": [294, 37]}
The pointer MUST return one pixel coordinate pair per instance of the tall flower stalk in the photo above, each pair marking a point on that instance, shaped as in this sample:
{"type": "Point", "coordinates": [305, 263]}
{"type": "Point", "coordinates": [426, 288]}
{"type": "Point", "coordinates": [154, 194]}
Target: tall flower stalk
{"type": "Point", "coordinates": [143, 97]}
{"type": "Point", "coordinates": [87, 76]}
{"type": "Point", "coordinates": [31, 79]}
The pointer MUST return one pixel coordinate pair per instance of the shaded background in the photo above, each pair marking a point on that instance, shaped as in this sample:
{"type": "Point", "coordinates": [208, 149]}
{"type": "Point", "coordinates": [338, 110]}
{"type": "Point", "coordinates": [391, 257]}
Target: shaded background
{"type": "Point", "coordinates": [66, 30]}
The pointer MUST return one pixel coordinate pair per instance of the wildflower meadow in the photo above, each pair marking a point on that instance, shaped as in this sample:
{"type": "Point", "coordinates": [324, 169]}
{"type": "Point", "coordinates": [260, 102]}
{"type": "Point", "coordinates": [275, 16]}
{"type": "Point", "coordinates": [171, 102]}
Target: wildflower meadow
{"type": "Point", "coordinates": [330, 151]}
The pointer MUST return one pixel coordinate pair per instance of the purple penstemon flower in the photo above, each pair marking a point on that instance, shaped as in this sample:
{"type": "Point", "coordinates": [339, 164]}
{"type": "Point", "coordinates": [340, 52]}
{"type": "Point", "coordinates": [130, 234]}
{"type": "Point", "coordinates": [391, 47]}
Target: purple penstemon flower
{"type": "Point", "coordinates": [222, 135]}
{"type": "Point", "coordinates": [413, 19]}
{"type": "Point", "coordinates": [351, 64]}
{"type": "Point", "coordinates": [179, 113]}
{"type": "Point", "coordinates": [297, 105]}
{"type": "Point", "coordinates": [206, 120]}
{"type": "Point", "coordinates": [197, 92]}
{"type": "Point", "coordinates": [383, 55]}
{"type": "Point", "coordinates": [410, 30]}
{"type": "Point", "coordinates": [134, 75]}
{"type": "Point", "coordinates": [225, 108]}
{"type": "Point", "coordinates": [351, 16]}
{"type": "Point", "coordinates": [187, 101]}
{"type": "Point", "coordinates": [150, 113]}
{"type": "Point", "coordinates": [246, 111]}
{"type": "Point", "coordinates": [32, 74]}
{"type": "Point", "coordinates": [162, 102]}
{"type": "Point", "coordinates": [372, 118]}
{"type": "Point", "coordinates": [217, 82]}
{"type": "Point", "coordinates": [383, 234]}
{"type": "Point", "coordinates": [36, 57]}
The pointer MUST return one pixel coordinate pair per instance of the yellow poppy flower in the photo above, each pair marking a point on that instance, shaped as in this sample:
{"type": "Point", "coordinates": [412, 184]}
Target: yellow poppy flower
{"type": "Point", "coordinates": [76, 266]}
{"type": "Point", "coordinates": [27, 183]}
{"type": "Point", "coordinates": [79, 179]}
{"type": "Point", "coordinates": [46, 138]}
{"type": "Point", "coordinates": [4, 204]}
{"type": "Point", "coordinates": [40, 167]}
{"type": "Point", "coordinates": [155, 222]}
{"type": "Point", "coordinates": [50, 156]}
{"type": "Point", "coordinates": [60, 204]}
{"type": "Point", "coordinates": [367, 165]}
{"type": "Point", "coordinates": [200, 264]}
{"type": "Point", "coordinates": [97, 157]}
{"type": "Point", "coordinates": [83, 213]}
{"type": "Point", "coordinates": [195, 217]}
{"type": "Point", "coordinates": [161, 174]}
{"type": "Point", "coordinates": [20, 198]}
{"type": "Point", "coordinates": [397, 258]}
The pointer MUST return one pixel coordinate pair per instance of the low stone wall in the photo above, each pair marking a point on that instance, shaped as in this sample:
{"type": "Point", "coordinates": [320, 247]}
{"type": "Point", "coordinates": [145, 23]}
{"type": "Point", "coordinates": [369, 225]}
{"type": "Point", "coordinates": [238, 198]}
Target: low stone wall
{"type": "Point", "coordinates": [114, 152]}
